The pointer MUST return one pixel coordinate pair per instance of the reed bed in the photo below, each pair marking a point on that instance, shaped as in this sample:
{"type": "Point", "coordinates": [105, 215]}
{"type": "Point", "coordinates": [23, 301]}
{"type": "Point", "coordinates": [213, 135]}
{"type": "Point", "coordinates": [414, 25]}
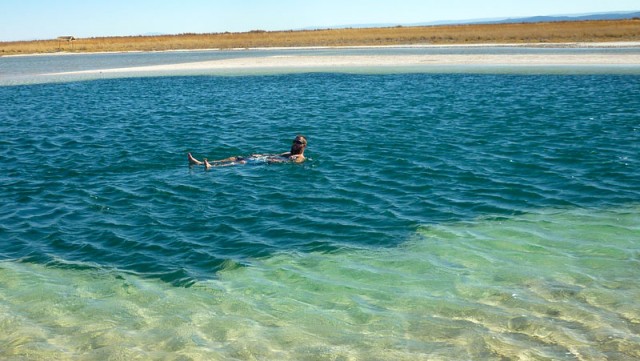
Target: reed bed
{"type": "Point", "coordinates": [535, 33]}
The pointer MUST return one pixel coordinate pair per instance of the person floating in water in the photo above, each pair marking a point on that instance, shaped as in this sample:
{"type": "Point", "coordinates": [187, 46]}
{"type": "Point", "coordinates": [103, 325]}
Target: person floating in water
{"type": "Point", "coordinates": [295, 155]}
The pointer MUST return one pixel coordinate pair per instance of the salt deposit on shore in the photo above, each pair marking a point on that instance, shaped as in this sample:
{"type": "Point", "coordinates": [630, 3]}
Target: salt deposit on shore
{"type": "Point", "coordinates": [553, 58]}
{"type": "Point", "coordinates": [349, 61]}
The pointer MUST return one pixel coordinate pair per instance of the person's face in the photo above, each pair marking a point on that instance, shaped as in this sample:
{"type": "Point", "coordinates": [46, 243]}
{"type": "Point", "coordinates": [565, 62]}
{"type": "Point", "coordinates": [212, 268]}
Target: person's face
{"type": "Point", "coordinates": [298, 144]}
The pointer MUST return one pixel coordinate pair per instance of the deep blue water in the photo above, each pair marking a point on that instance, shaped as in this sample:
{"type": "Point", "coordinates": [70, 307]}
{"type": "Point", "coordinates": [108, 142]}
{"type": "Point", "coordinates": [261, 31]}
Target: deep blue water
{"type": "Point", "coordinates": [494, 167]}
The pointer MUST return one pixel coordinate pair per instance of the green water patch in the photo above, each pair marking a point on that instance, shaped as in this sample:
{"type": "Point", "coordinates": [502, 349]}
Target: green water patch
{"type": "Point", "coordinates": [554, 285]}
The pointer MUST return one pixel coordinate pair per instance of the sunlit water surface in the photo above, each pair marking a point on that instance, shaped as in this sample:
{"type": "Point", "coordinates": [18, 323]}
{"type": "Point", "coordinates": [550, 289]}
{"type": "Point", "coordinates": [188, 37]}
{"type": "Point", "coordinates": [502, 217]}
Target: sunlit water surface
{"type": "Point", "coordinates": [439, 216]}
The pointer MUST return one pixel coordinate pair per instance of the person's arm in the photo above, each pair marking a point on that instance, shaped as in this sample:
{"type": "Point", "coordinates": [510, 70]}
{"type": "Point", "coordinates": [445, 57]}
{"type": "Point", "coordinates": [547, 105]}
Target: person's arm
{"type": "Point", "coordinates": [285, 158]}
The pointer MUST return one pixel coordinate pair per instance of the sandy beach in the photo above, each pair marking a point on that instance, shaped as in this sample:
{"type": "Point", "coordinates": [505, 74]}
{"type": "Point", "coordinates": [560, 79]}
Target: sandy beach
{"type": "Point", "coordinates": [337, 62]}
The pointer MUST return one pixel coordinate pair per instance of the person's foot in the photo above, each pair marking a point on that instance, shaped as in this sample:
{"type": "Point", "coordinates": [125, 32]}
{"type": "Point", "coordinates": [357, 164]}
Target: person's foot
{"type": "Point", "coordinates": [193, 161]}
{"type": "Point", "coordinates": [207, 165]}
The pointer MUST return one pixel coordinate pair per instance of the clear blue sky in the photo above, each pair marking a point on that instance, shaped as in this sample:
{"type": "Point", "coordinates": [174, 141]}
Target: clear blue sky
{"type": "Point", "coordinates": [46, 19]}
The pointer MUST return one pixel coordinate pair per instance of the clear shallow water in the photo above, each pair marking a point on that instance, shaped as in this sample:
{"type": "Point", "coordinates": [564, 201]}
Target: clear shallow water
{"type": "Point", "coordinates": [440, 216]}
{"type": "Point", "coordinates": [556, 285]}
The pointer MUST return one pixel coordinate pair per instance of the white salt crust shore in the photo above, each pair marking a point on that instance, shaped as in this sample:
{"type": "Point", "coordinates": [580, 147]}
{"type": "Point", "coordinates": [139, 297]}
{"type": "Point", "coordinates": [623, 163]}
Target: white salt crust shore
{"type": "Point", "coordinates": [349, 61]}
{"type": "Point", "coordinates": [301, 62]}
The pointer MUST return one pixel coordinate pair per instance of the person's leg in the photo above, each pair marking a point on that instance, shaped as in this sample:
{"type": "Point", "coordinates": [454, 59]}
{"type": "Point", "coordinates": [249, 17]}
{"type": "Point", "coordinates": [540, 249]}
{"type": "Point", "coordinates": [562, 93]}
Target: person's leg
{"type": "Point", "coordinates": [216, 163]}
{"type": "Point", "coordinates": [223, 163]}
{"type": "Point", "coordinates": [228, 160]}
{"type": "Point", "coordinates": [193, 161]}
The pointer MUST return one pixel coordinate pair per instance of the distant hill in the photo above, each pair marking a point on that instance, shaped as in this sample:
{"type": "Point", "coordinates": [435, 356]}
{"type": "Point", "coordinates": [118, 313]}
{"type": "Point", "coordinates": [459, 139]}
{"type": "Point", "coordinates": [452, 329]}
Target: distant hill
{"type": "Point", "coordinates": [532, 19]}
{"type": "Point", "coordinates": [539, 19]}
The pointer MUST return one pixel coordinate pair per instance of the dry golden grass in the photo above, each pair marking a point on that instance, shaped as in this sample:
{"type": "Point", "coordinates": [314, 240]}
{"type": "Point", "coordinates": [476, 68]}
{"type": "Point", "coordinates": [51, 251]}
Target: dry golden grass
{"type": "Point", "coordinates": [551, 32]}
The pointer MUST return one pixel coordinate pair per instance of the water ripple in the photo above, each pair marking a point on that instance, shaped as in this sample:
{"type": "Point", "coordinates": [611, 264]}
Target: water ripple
{"type": "Point", "coordinates": [96, 172]}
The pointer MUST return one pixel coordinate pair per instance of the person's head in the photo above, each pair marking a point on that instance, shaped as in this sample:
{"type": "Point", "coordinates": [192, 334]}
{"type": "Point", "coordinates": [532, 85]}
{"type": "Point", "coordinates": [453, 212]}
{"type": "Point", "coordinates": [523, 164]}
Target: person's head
{"type": "Point", "coordinates": [299, 144]}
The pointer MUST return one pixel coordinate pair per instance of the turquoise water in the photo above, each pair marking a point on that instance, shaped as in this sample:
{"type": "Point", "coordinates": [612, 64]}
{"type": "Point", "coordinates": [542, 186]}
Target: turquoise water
{"type": "Point", "coordinates": [439, 216]}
